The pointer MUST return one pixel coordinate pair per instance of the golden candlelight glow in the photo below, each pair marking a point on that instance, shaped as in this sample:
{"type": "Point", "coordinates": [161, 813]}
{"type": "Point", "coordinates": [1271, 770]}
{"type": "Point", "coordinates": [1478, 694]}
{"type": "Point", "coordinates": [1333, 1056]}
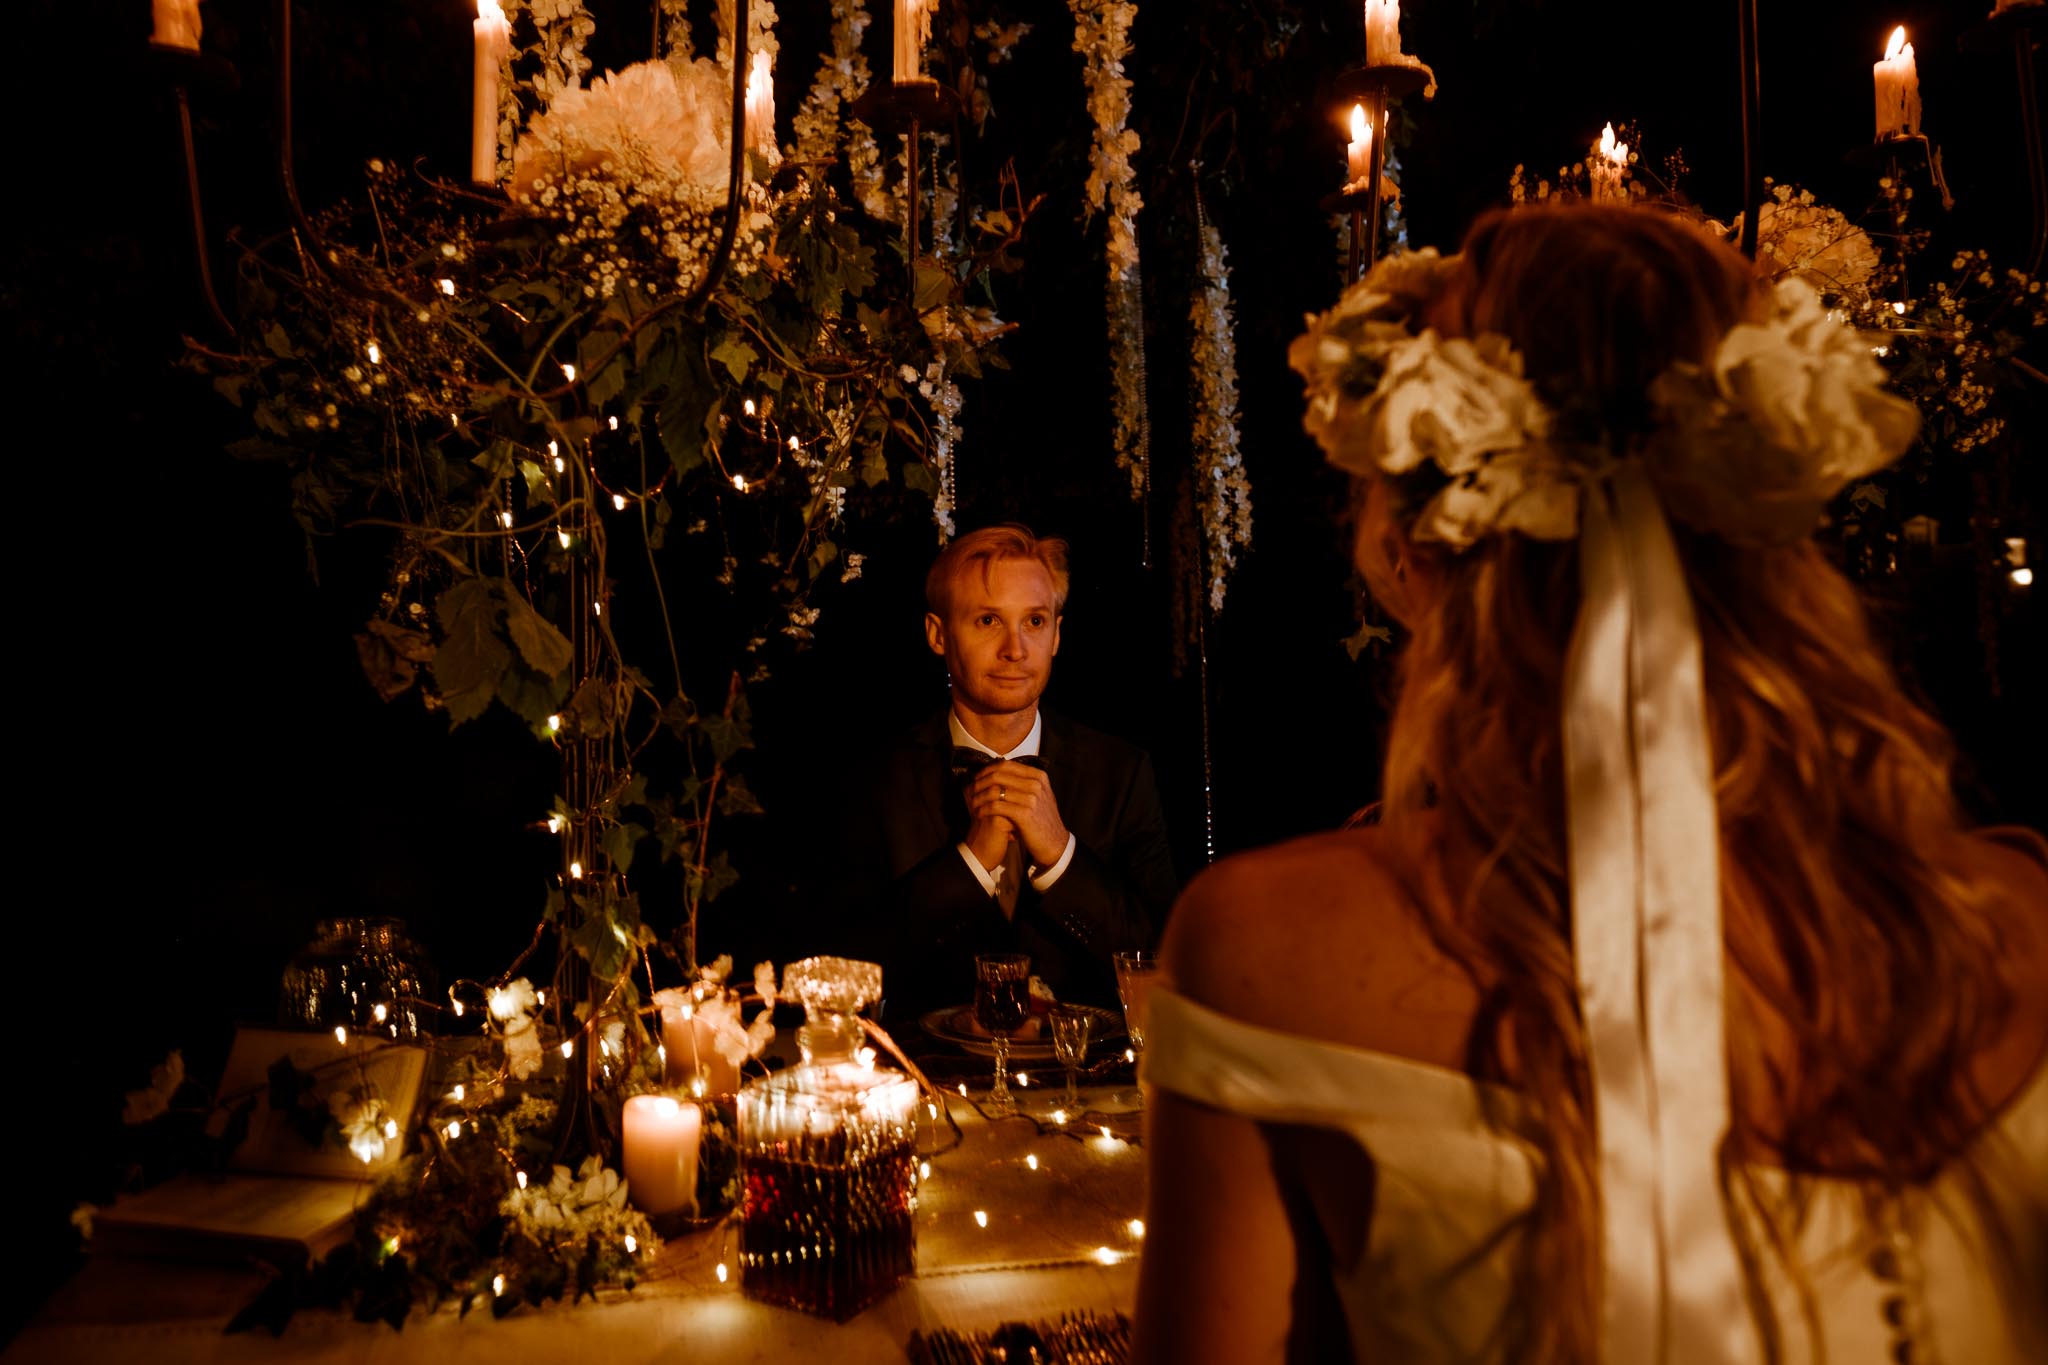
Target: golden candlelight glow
{"type": "Point", "coordinates": [632, 1244]}
{"type": "Point", "coordinates": [1107, 1256]}
{"type": "Point", "coordinates": [1358, 125]}
{"type": "Point", "coordinates": [1136, 1227]}
{"type": "Point", "coordinates": [520, 1176]}
{"type": "Point", "coordinates": [505, 519]}
{"type": "Point", "coordinates": [1031, 1160]}
{"type": "Point", "coordinates": [454, 1129]}
{"type": "Point", "coordinates": [457, 1093]}
{"type": "Point", "coordinates": [448, 287]}
{"type": "Point", "coordinates": [497, 1281]}
{"type": "Point", "coordinates": [554, 722]}
{"type": "Point", "coordinates": [576, 871]}
{"type": "Point", "coordinates": [569, 1049]}
{"type": "Point", "coordinates": [391, 1128]}
{"type": "Point", "coordinates": [562, 536]}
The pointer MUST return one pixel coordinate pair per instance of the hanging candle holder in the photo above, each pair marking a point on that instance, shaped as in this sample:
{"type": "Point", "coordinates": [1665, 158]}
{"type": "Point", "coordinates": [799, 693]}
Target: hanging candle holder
{"type": "Point", "coordinates": [912, 108]}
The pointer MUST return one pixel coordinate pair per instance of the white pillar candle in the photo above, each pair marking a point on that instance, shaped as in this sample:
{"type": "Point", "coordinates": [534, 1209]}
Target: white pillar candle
{"type": "Point", "coordinates": [913, 30]}
{"type": "Point", "coordinates": [761, 104]}
{"type": "Point", "coordinates": [687, 1037]}
{"type": "Point", "coordinates": [1607, 164]}
{"type": "Point", "coordinates": [1382, 32]}
{"type": "Point", "coordinates": [177, 24]}
{"type": "Point", "coordinates": [660, 1156]}
{"type": "Point", "coordinates": [1897, 81]}
{"type": "Point", "coordinates": [493, 35]}
{"type": "Point", "coordinates": [1358, 152]}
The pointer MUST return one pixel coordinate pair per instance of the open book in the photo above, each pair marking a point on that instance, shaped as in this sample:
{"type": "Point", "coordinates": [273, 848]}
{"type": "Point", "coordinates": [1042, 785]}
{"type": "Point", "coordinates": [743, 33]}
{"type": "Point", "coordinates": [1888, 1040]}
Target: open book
{"type": "Point", "coordinates": [294, 1181]}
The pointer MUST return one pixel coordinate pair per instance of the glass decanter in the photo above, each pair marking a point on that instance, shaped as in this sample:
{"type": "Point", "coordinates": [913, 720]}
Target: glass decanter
{"type": "Point", "coordinates": [828, 1157]}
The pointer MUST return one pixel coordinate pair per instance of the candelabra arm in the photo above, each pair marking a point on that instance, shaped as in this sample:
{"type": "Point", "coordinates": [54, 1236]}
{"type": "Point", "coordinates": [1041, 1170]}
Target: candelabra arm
{"type": "Point", "coordinates": [1752, 124]}
{"type": "Point", "coordinates": [199, 250]}
{"type": "Point", "coordinates": [735, 187]}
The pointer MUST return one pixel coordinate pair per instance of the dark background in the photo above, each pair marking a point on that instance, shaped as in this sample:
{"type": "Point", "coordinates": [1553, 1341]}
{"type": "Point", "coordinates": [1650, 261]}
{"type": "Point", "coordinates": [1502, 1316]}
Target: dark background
{"type": "Point", "coordinates": [209, 774]}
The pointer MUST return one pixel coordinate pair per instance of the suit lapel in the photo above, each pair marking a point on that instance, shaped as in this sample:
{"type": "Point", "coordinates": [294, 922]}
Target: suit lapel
{"type": "Point", "coordinates": [932, 752]}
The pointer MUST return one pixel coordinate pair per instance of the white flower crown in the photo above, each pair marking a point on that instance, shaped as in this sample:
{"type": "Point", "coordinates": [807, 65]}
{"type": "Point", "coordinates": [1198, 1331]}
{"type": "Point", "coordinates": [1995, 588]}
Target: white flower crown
{"type": "Point", "coordinates": [1749, 447]}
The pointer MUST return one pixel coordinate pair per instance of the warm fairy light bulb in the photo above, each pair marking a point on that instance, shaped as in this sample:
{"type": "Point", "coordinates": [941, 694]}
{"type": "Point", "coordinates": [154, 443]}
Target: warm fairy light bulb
{"type": "Point", "coordinates": [597, 608]}
{"type": "Point", "coordinates": [619, 502]}
{"type": "Point", "coordinates": [604, 1047]}
{"type": "Point", "coordinates": [391, 1128]}
{"type": "Point", "coordinates": [1106, 1256]}
{"type": "Point", "coordinates": [561, 465]}
{"type": "Point", "coordinates": [866, 1058]}
{"type": "Point", "coordinates": [498, 1285]}
{"type": "Point", "coordinates": [1023, 1080]}
{"type": "Point", "coordinates": [1136, 1227]}
{"type": "Point", "coordinates": [932, 1109]}
{"type": "Point", "coordinates": [341, 1035]}
{"type": "Point", "coordinates": [454, 1129]}
{"type": "Point", "coordinates": [576, 871]}
{"type": "Point", "coordinates": [632, 1244]}
{"type": "Point", "coordinates": [555, 449]}
{"type": "Point", "coordinates": [1059, 1116]}
{"type": "Point", "coordinates": [747, 407]}
{"type": "Point", "coordinates": [615, 422]}
{"type": "Point", "coordinates": [504, 518]}
{"type": "Point", "coordinates": [457, 1093]}
{"type": "Point", "coordinates": [376, 355]}
{"type": "Point", "coordinates": [924, 1170]}
{"type": "Point", "coordinates": [1129, 1055]}
{"type": "Point", "coordinates": [379, 1012]}
{"type": "Point", "coordinates": [554, 722]}
{"type": "Point", "coordinates": [540, 997]}
{"type": "Point", "coordinates": [562, 536]}
{"type": "Point", "coordinates": [661, 1054]}
{"type": "Point", "coordinates": [448, 287]}
{"type": "Point", "coordinates": [569, 373]}
{"type": "Point", "coordinates": [520, 1176]}
{"type": "Point", "coordinates": [554, 824]}
{"type": "Point", "coordinates": [2022, 577]}
{"type": "Point", "coordinates": [698, 1089]}
{"type": "Point", "coordinates": [739, 481]}
{"type": "Point", "coordinates": [1031, 1160]}
{"type": "Point", "coordinates": [963, 1090]}
{"type": "Point", "coordinates": [981, 1218]}
{"type": "Point", "coordinates": [795, 444]}
{"type": "Point", "coordinates": [722, 1272]}
{"type": "Point", "coordinates": [1106, 1134]}
{"type": "Point", "coordinates": [1899, 308]}
{"type": "Point", "coordinates": [458, 1009]}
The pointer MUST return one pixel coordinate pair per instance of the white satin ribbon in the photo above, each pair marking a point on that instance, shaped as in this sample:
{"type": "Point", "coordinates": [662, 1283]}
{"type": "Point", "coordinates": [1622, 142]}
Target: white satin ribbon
{"type": "Point", "coordinates": [1646, 938]}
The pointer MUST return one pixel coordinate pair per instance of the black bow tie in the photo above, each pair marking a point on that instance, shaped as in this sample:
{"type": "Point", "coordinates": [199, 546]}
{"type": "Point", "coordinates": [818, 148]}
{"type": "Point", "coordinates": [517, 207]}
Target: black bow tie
{"type": "Point", "coordinates": [967, 762]}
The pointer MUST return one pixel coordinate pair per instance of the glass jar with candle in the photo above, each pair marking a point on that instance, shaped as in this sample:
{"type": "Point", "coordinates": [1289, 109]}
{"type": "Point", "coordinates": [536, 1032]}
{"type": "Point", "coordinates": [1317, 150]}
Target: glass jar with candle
{"type": "Point", "coordinates": [365, 975]}
{"type": "Point", "coordinates": [828, 1157]}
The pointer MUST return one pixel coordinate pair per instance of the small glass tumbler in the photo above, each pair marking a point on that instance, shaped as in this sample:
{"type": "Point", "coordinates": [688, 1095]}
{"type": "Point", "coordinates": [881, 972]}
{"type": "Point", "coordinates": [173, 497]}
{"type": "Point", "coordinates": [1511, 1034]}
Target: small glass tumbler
{"type": "Point", "coordinates": [1071, 1027]}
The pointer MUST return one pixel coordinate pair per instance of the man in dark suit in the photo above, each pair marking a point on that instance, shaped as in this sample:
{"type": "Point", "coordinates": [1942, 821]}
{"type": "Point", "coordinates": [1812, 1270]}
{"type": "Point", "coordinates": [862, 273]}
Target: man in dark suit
{"type": "Point", "coordinates": [995, 827]}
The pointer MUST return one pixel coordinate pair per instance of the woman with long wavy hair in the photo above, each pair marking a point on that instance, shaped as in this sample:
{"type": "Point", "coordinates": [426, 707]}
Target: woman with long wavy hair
{"type": "Point", "coordinates": [1672, 1011]}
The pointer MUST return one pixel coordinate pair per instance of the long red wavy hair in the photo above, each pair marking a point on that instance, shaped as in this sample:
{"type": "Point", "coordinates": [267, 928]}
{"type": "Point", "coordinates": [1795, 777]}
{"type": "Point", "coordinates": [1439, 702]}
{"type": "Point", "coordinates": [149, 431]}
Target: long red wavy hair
{"type": "Point", "coordinates": [1859, 942]}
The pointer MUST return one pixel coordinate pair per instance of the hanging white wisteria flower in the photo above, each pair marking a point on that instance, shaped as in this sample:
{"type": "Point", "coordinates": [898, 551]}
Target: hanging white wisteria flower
{"type": "Point", "coordinates": [842, 78]}
{"type": "Point", "coordinates": [1222, 490]}
{"type": "Point", "coordinates": [1102, 35]}
{"type": "Point", "coordinates": [943, 394]}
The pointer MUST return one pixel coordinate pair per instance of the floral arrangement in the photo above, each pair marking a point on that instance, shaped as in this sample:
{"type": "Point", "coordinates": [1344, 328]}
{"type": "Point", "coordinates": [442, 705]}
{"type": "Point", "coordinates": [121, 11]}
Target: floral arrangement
{"type": "Point", "coordinates": [1223, 490]}
{"type": "Point", "coordinates": [1751, 446]}
{"type": "Point", "coordinates": [1102, 35]}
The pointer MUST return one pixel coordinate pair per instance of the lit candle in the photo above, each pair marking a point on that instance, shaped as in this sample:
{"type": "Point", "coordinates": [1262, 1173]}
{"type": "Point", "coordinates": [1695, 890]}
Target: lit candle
{"type": "Point", "coordinates": [691, 1057]}
{"type": "Point", "coordinates": [493, 40]}
{"type": "Point", "coordinates": [660, 1156]}
{"type": "Point", "coordinates": [761, 104]}
{"type": "Point", "coordinates": [913, 31]}
{"type": "Point", "coordinates": [1897, 81]}
{"type": "Point", "coordinates": [1358, 153]}
{"type": "Point", "coordinates": [1609, 161]}
{"type": "Point", "coordinates": [177, 24]}
{"type": "Point", "coordinates": [1382, 32]}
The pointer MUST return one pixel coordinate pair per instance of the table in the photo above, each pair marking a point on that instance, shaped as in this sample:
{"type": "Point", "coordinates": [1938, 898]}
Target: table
{"type": "Point", "coordinates": [1059, 1202]}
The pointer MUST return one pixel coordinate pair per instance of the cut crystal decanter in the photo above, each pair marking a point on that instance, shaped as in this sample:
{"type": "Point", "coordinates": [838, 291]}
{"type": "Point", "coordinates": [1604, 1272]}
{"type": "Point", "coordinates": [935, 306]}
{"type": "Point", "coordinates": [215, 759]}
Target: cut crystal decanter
{"type": "Point", "coordinates": [828, 1157]}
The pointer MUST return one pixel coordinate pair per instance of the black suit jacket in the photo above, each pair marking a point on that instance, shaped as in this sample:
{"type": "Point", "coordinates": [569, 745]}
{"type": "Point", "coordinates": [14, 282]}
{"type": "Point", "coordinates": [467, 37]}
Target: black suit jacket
{"type": "Point", "coordinates": [924, 916]}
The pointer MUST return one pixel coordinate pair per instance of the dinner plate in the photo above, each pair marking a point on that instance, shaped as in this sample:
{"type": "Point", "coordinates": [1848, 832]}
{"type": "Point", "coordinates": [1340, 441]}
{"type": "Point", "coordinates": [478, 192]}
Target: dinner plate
{"type": "Point", "coordinates": [955, 1024]}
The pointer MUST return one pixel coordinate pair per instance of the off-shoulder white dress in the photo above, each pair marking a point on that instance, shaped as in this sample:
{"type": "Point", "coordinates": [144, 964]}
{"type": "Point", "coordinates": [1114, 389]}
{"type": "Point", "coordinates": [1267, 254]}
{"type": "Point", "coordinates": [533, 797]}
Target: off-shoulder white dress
{"type": "Point", "coordinates": [1450, 1188]}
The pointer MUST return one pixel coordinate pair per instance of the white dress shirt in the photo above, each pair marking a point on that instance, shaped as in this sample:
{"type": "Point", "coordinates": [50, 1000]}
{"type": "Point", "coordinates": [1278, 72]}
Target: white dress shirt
{"type": "Point", "coordinates": [1042, 878]}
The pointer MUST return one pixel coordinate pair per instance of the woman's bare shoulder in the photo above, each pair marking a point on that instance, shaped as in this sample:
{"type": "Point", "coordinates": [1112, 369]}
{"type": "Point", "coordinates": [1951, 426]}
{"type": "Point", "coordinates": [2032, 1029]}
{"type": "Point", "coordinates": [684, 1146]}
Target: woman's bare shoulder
{"type": "Point", "coordinates": [1319, 936]}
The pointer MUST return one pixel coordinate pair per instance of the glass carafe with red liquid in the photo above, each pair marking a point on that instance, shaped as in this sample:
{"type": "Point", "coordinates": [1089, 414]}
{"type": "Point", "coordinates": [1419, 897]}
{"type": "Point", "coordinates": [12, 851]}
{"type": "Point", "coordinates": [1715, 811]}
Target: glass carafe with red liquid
{"type": "Point", "coordinates": [828, 1157]}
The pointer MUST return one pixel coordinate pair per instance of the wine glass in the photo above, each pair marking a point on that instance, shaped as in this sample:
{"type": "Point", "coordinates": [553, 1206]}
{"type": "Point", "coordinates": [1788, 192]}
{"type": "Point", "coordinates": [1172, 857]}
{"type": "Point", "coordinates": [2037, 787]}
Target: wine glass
{"type": "Point", "coordinates": [1135, 973]}
{"type": "Point", "coordinates": [1071, 1026]}
{"type": "Point", "coordinates": [1002, 1002]}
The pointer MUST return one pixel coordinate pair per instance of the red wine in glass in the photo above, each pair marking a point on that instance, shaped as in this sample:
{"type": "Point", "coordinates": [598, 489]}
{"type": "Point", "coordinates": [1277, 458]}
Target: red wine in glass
{"type": "Point", "coordinates": [1002, 1002]}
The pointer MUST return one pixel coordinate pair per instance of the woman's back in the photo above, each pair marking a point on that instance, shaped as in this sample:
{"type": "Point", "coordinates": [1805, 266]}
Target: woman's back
{"type": "Point", "coordinates": [1309, 997]}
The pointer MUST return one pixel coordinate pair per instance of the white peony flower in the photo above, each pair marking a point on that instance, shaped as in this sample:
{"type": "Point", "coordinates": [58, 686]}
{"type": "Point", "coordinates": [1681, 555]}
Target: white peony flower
{"type": "Point", "coordinates": [1790, 410]}
{"type": "Point", "coordinates": [1532, 491]}
{"type": "Point", "coordinates": [652, 121]}
{"type": "Point", "coordinates": [1450, 403]}
{"type": "Point", "coordinates": [523, 1050]}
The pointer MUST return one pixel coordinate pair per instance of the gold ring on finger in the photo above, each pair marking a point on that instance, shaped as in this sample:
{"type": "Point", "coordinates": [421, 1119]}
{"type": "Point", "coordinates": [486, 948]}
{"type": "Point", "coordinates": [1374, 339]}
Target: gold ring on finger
{"type": "Point", "coordinates": [1001, 791]}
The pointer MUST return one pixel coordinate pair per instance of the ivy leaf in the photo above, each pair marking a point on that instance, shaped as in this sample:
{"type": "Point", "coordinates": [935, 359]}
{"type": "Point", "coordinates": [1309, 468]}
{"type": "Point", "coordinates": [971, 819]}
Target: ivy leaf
{"type": "Point", "coordinates": [736, 355]}
{"type": "Point", "coordinates": [471, 659]}
{"type": "Point", "coordinates": [601, 362]}
{"type": "Point", "coordinates": [874, 467]}
{"type": "Point", "coordinates": [619, 843]}
{"type": "Point", "coordinates": [822, 557]}
{"type": "Point", "coordinates": [1368, 635]}
{"type": "Point", "coordinates": [934, 287]}
{"type": "Point", "coordinates": [278, 341]}
{"type": "Point", "coordinates": [591, 711]}
{"type": "Point", "coordinates": [391, 656]}
{"type": "Point", "coordinates": [737, 798]}
{"type": "Point", "coordinates": [529, 696]}
{"type": "Point", "coordinates": [918, 478]}
{"type": "Point", "coordinates": [546, 650]}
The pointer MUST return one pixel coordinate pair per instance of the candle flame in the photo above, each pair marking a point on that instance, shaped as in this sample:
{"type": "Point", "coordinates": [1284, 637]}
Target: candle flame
{"type": "Point", "coordinates": [490, 10]}
{"type": "Point", "coordinates": [1896, 43]}
{"type": "Point", "coordinates": [1358, 128]}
